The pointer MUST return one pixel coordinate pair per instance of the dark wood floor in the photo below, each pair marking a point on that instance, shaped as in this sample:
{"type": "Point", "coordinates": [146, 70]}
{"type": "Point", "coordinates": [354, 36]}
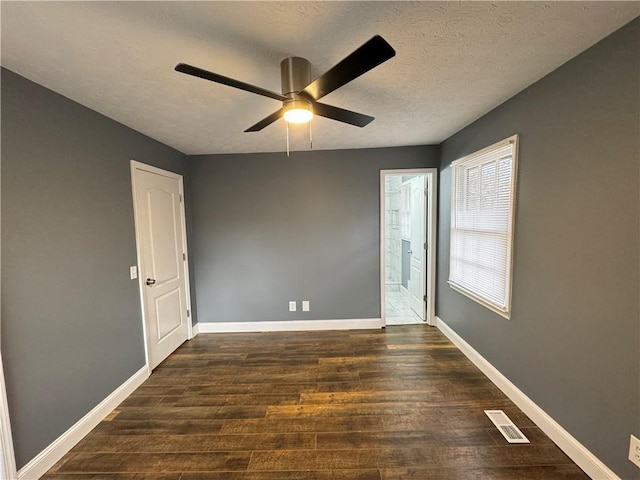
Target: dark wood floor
{"type": "Point", "coordinates": [346, 405]}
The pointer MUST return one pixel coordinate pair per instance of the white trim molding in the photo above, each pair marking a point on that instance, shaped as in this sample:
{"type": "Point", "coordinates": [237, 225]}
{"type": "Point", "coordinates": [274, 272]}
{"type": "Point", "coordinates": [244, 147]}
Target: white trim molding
{"type": "Point", "coordinates": [46, 459]}
{"type": "Point", "coordinates": [577, 452]}
{"type": "Point", "coordinates": [288, 326]}
{"type": "Point", "coordinates": [7, 458]}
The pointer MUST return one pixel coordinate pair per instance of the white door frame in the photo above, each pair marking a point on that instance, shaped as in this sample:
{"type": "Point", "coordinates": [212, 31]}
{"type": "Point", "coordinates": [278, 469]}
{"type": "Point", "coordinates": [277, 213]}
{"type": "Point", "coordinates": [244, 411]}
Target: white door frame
{"type": "Point", "coordinates": [135, 165]}
{"type": "Point", "coordinates": [7, 457]}
{"type": "Point", "coordinates": [430, 273]}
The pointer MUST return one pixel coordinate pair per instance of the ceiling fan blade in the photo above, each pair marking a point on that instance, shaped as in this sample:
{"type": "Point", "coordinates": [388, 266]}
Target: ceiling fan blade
{"type": "Point", "coordinates": [265, 122]}
{"type": "Point", "coordinates": [214, 77]}
{"type": "Point", "coordinates": [368, 56]}
{"type": "Point", "coordinates": [341, 115]}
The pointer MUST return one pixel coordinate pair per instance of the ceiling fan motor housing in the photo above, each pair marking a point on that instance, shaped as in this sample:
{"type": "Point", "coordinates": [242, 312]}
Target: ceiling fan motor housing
{"type": "Point", "coordinates": [295, 73]}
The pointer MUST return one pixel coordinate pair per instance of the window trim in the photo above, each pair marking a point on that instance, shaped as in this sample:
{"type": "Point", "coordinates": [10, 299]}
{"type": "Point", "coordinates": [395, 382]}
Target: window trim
{"type": "Point", "coordinates": [506, 311]}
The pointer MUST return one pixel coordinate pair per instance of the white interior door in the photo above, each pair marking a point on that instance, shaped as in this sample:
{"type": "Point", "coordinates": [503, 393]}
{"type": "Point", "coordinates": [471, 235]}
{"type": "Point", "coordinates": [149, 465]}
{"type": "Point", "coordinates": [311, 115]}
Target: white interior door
{"type": "Point", "coordinates": [417, 299]}
{"type": "Point", "coordinates": [162, 259]}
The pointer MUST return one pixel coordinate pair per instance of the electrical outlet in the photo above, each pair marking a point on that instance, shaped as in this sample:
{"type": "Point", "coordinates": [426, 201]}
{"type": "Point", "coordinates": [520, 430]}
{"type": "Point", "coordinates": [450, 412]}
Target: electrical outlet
{"type": "Point", "coordinates": [305, 305]}
{"type": "Point", "coordinates": [634, 450]}
{"type": "Point", "coordinates": [292, 306]}
{"type": "Point", "coordinates": [133, 272]}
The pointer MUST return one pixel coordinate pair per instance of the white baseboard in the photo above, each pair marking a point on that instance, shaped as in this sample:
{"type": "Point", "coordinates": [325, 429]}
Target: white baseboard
{"type": "Point", "coordinates": [65, 442]}
{"type": "Point", "coordinates": [577, 452]}
{"type": "Point", "coordinates": [288, 326]}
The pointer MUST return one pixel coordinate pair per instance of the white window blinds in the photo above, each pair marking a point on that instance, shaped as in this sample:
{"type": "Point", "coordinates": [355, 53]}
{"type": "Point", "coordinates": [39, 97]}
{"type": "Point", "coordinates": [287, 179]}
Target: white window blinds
{"type": "Point", "coordinates": [482, 210]}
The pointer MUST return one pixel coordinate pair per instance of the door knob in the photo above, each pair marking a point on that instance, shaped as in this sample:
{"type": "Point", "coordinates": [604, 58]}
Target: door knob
{"type": "Point", "coordinates": [409, 252]}
{"type": "Point", "coordinates": [150, 281]}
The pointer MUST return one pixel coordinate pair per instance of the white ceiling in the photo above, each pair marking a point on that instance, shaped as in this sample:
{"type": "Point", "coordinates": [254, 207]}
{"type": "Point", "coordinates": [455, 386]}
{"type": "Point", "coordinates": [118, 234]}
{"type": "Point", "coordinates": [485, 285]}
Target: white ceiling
{"type": "Point", "coordinates": [455, 61]}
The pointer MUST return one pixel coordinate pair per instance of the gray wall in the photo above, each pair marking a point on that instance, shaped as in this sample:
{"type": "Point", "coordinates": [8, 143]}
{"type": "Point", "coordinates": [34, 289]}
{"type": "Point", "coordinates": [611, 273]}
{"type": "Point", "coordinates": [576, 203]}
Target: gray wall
{"type": "Point", "coordinates": [572, 344]}
{"type": "Point", "coordinates": [71, 324]}
{"type": "Point", "coordinates": [269, 229]}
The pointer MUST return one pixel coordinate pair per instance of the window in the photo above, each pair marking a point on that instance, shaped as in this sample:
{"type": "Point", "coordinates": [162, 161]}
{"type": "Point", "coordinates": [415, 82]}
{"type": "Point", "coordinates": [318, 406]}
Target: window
{"type": "Point", "coordinates": [482, 213]}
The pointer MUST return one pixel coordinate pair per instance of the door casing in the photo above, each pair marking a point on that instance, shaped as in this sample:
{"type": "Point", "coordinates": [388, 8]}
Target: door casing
{"type": "Point", "coordinates": [135, 165]}
{"type": "Point", "coordinates": [7, 457]}
{"type": "Point", "coordinates": [431, 176]}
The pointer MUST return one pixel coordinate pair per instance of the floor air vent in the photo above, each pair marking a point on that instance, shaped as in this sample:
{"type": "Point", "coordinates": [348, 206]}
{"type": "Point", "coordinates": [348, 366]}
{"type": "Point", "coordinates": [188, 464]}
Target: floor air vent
{"type": "Point", "coordinates": [506, 426]}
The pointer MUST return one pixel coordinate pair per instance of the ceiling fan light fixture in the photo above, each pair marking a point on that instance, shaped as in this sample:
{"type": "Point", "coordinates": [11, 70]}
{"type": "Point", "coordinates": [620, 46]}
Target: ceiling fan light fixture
{"type": "Point", "coordinates": [300, 95]}
{"type": "Point", "coordinates": [298, 111]}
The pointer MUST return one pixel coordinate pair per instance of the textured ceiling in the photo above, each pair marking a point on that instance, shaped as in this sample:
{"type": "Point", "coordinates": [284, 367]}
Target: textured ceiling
{"type": "Point", "coordinates": [455, 61]}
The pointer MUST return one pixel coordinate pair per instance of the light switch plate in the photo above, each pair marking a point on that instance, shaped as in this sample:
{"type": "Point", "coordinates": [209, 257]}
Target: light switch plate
{"type": "Point", "coordinates": [133, 272]}
{"type": "Point", "coordinates": [634, 450]}
{"type": "Point", "coordinates": [305, 305]}
{"type": "Point", "coordinates": [292, 306]}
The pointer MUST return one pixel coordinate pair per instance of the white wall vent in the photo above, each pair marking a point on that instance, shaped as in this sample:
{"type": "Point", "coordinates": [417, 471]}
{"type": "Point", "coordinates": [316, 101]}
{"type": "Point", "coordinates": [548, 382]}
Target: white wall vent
{"type": "Point", "coordinates": [506, 427]}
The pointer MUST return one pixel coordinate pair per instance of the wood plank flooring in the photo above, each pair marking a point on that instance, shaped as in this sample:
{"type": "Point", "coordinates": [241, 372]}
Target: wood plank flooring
{"type": "Point", "coordinates": [400, 403]}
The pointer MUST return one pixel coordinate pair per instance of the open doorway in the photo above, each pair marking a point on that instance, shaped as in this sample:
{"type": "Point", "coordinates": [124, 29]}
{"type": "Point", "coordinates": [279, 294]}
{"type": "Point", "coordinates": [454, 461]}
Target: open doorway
{"type": "Point", "coordinates": [407, 241]}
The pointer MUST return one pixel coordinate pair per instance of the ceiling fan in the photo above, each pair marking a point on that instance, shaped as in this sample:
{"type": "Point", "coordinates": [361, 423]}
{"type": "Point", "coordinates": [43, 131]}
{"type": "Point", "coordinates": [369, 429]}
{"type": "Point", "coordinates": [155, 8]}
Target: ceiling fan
{"type": "Point", "coordinates": [300, 95]}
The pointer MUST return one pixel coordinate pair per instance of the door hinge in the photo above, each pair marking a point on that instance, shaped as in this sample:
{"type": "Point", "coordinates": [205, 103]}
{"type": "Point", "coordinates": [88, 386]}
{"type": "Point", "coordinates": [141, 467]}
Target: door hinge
{"type": "Point", "coordinates": [180, 196]}
{"type": "Point", "coordinates": [188, 313]}
{"type": "Point", "coordinates": [425, 245]}
{"type": "Point", "coordinates": [184, 257]}
{"type": "Point", "coordinates": [424, 298]}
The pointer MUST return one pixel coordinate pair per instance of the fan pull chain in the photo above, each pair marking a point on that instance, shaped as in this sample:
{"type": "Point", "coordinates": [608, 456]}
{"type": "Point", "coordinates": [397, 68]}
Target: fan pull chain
{"type": "Point", "coordinates": [310, 137]}
{"type": "Point", "coordinates": [287, 138]}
